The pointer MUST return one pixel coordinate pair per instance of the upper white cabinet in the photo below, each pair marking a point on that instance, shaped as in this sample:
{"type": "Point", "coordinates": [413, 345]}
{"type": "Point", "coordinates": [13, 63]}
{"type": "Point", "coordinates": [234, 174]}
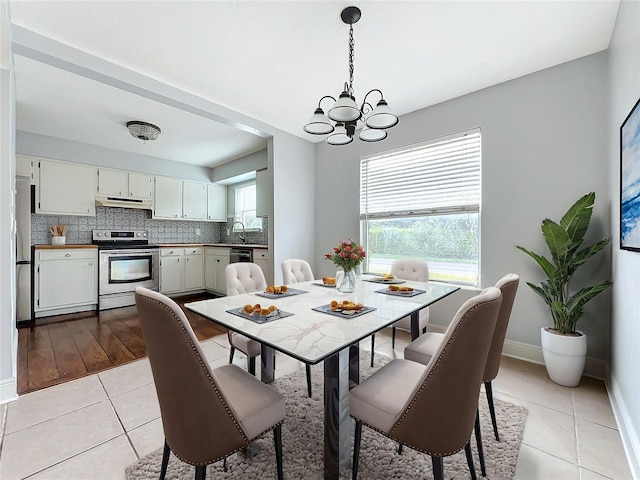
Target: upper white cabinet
{"type": "Point", "coordinates": [194, 200]}
{"type": "Point", "coordinates": [120, 183]}
{"type": "Point", "coordinates": [168, 198]}
{"type": "Point", "coordinates": [264, 193]}
{"type": "Point", "coordinates": [66, 188]}
{"type": "Point", "coordinates": [24, 166]}
{"type": "Point", "coordinates": [216, 202]}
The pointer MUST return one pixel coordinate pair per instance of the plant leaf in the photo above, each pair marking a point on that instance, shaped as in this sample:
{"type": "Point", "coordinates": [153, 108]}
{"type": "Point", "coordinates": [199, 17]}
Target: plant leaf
{"type": "Point", "coordinates": [544, 263]}
{"type": "Point", "coordinates": [557, 240]}
{"type": "Point", "coordinates": [576, 221]}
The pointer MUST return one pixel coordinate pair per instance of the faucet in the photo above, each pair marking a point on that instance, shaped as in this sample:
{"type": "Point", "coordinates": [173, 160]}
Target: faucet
{"type": "Point", "coordinates": [243, 239]}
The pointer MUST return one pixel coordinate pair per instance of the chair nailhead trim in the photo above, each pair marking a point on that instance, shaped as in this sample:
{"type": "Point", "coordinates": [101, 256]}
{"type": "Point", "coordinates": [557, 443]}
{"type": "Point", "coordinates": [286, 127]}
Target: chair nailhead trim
{"type": "Point", "coordinates": [213, 384]}
{"type": "Point", "coordinates": [425, 382]}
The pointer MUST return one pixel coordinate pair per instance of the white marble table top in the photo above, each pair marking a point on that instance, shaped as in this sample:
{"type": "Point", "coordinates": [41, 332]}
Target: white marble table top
{"type": "Point", "coordinates": [312, 336]}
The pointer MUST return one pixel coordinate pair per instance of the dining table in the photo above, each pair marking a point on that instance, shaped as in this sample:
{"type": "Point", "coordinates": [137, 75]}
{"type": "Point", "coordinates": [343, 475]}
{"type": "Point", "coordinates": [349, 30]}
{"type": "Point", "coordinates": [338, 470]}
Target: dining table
{"type": "Point", "coordinates": [303, 326]}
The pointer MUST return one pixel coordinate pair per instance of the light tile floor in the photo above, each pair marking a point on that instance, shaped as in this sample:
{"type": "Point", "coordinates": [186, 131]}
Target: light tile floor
{"type": "Point", "coordinates": [92, 428]}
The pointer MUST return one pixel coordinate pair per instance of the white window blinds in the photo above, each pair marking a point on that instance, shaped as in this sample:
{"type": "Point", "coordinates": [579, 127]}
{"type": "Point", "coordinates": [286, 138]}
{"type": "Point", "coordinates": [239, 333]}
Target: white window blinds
{"type": "Point", "coordinates": [438, 177]}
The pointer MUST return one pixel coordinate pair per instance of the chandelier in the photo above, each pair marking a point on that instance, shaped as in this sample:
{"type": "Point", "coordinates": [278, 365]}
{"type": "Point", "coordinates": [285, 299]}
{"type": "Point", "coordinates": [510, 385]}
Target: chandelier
{"type": "Point", "coordinates": [143, 130]}
{"type": "Point", "coordinates": [345, 111]}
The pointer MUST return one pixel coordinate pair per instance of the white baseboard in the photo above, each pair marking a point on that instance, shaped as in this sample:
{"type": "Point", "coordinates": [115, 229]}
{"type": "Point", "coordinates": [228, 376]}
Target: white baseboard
{"type": "Point", "coordinates": [629, 436]}
{"type": "Point", "coordinates": [8, 390]}
{"type": "Point", "coordinates": [594, 367]}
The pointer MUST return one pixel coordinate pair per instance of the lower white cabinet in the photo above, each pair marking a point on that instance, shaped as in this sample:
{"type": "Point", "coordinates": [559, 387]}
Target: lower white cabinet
{"type": "Point", "coordinates": [262, 258]}
{"type": "Point", "coordinates": [181, 269]}
{"type": "Point", "coordinates": [215, 263]}
{"type": "Point", "coordinates": [194, 268]}
{"type": "Point", "coordinates": [65, 278]}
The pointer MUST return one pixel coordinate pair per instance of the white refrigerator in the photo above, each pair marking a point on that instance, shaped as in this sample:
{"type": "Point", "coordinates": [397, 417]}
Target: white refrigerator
{"type": "Point", "coordinates": [23, 249]}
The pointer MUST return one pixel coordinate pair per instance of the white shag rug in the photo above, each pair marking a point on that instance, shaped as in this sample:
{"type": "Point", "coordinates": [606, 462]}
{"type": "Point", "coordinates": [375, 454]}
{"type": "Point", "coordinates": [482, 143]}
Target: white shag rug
{"type": "Point", "coordinates": [302, 443]}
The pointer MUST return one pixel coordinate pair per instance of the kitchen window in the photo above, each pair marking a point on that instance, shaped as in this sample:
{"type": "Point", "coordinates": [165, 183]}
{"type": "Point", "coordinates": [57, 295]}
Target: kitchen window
{"type": "Point", "coordinates": [245, 208]}
{"type": "Point", "coordinates": [423, 202]}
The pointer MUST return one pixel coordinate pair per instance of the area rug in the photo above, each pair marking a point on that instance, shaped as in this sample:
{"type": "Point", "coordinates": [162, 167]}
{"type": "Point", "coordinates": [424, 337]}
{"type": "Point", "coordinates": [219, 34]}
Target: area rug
{"type": "Point", "coordinates": [302, 443]}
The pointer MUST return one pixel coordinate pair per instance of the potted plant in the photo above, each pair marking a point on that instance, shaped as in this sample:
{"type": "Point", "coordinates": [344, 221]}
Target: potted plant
{"type": "Point", "coordinates": [348, 255]}
{"type": "Point", "coordinates": [564, 348]}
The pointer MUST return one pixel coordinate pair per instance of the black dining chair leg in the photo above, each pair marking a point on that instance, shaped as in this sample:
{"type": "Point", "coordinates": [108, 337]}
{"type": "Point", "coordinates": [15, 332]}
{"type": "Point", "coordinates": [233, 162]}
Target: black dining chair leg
{"type": "Point", "coordinates": [489, 391]}
{"type": "Point", "coordinates": [472, 468]}
{"type": "Point", "coordinates": [233, 350]}
{"type": "Point", "coordinates": [399, 449]}
{"type": "Point", "coordinates": [356, 449]}
{"type": "Point", "coordinates": [201, 472]}
{"type": "Point", "coordinates": [277, 441]}
{"type": "Point", "coordinates": [438, 468]}
{"type": "Point", "coordinates": [252, 365]}
{"type": "Point", "coordinates": [224, 464]}
{"type": "Point", "coordinates": [373, 347]}
{"type": "Point", "coordinates": [308, 369]}
{"type": "Point", "coordinates": [393, 338]}
{"type": "Point", "coordinates": [165, 460]}
{"type": "Point", "coordinates": [476, 428]}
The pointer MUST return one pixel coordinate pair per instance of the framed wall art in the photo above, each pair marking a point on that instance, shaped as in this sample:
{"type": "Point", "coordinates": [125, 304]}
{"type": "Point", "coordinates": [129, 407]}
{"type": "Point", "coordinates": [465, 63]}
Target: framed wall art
{"type": "Point", "coordinates": [630, 181]}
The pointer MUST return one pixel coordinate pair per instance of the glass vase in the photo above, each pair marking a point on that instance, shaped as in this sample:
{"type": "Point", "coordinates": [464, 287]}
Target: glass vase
{"type": "Point", "coordinates": [347, 282]}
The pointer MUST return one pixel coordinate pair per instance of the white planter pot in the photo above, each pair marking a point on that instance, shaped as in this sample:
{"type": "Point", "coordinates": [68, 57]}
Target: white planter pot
{"type": "Point", "coordinates": [564, 356]}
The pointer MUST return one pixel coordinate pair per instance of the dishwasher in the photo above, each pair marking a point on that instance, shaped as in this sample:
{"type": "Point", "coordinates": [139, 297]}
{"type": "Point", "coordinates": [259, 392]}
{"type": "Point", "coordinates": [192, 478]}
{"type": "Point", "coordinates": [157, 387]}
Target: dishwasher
{"type": "Point", "coordinates": [237, 255]}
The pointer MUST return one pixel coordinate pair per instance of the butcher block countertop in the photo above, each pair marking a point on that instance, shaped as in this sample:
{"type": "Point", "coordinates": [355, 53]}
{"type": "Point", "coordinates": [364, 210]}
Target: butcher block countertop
{"type": "Point", "coordinates": [57, 247]}
{"type": "Point", "coordinates": [221, 245]}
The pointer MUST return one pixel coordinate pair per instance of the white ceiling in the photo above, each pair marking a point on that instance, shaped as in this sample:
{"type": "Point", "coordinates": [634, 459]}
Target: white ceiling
{"type": "Point", "coordinates": [273, 60]}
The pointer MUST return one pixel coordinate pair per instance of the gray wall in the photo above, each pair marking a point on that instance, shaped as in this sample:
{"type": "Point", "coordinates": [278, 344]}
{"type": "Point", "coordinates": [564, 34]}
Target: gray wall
{"type": "Point", "coordinates": [543, 146]}
{"type": "Point", "coordinates": [250, 163]}
{"type": "Point", "coordinates": [624, 91]}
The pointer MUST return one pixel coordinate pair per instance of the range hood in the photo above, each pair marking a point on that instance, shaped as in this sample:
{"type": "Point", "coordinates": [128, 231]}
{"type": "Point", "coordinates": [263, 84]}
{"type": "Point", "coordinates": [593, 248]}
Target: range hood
{"type": "Point", "coordinates": [105, 201]}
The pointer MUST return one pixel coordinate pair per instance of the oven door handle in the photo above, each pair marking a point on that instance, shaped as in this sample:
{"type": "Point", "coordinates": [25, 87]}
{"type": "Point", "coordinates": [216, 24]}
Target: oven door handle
{"type": "Point", "coordinates": [129, 253]}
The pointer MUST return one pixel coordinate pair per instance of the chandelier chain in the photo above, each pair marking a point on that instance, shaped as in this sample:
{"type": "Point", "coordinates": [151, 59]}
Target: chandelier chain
{"type": "Point", "coordinates": [351, 44]}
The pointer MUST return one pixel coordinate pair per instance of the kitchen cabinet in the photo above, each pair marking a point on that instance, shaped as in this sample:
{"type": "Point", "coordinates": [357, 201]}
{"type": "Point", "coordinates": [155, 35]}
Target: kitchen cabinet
{"type": "Point", "coordinates": [216, 202]}
{"type": "Point", "coordinates": [120, 183]}
{"type": "Point", "coordinates": [66, 188]}
{"type": "Point", "coordinates": [264, 193]}
{"type": "Point", "coordinates": [194, 200]}
{"type": "Point", "coordinates": [65, 278]}
{"type": "Point", "coordinates": [171, 270]}
{"type": "Point", "coordinates": [194, 268]}
{"type": "Point", "coordinates": [215, 263]}
{"type": "Point", "coordinates": [168, 198]}
{"type": "Point", "coordinates": [181, 269]}
{"type": "Point", "coordinates": [262, 258]}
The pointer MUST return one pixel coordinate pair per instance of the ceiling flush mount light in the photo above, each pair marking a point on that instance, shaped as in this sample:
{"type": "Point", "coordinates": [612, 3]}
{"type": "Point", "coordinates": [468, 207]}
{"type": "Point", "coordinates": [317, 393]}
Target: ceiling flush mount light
{"type": "Point", "coordinates": [345, 111]}
{"type": "Point", "coordinates": [143, 130]}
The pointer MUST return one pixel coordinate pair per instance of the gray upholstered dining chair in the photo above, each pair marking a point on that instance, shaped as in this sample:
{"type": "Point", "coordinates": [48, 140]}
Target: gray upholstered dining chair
{"type": "Point", "coordinates": [295, 270]}
{"type": "Point", "coordinates": [247, 277]}
{"type": "Point", "coordinates": [207, 414]}
{"type": "Point", "coordinates": [417, 271]}
{"type": "Point", "coordinates": [432, 408]}
{"type": "Point", "coordinates": [422, 349]}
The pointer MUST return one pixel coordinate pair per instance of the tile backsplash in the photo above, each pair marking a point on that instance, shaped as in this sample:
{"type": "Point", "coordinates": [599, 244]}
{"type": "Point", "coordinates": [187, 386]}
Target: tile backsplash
{"type": "Point", "coordinates": [160, 231]}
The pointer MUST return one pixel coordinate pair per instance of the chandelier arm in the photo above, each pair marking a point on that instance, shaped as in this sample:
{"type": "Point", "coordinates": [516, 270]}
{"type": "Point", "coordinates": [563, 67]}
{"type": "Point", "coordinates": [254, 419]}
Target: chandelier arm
{"type": "Point", "coordinates": [364, 100]}
{"type": "Point", "coordinates": [326, 96]}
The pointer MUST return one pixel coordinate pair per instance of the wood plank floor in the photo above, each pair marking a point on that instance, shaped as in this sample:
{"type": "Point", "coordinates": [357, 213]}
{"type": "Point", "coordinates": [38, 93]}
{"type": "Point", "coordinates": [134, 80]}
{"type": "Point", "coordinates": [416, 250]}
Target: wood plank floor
{"type": "Point", "coordinates": [65, 347]}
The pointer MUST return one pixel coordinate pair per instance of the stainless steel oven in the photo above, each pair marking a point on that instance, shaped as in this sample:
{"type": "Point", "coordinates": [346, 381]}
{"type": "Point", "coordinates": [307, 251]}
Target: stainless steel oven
{"type": "Point", "coordinates": [126, 261]}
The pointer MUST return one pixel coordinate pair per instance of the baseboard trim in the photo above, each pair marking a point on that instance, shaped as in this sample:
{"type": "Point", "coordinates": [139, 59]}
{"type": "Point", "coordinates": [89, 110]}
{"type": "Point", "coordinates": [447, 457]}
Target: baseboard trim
{"type": "Point", "coordinates": [629, 436]}
{"type": "Point", "coordinates": [8, 390]}
{"type": "Point", "coordinates": [594, 367]}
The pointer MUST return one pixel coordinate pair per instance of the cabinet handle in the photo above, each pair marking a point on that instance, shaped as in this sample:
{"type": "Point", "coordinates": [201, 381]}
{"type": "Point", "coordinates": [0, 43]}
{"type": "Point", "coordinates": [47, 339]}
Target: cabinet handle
{"type": "Point", "coordinates": [68, 255]}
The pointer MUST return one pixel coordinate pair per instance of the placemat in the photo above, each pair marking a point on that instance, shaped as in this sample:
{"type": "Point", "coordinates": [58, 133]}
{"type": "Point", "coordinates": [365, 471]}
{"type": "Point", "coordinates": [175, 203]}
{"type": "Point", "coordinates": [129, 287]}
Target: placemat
{"type": "Point", "coordinates": [327, 309]}
{"type": "Point", "coordinates": [290, 292]}
{"type": "Point", "coordinates": [320, 284]}
{"type": "Point", "coordinates": [412, 293]}
{"type": "Point", "coordinates": [395, 281]}
{"type": "Point", "coordinates": [259, 318]}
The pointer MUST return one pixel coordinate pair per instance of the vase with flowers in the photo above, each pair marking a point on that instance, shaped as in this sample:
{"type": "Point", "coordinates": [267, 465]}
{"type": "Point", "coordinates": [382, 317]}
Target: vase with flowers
{"type": "Point", "coordinates": [348, 255]}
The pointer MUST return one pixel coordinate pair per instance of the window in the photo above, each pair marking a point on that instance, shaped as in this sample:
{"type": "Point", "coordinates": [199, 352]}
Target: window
{"type": "Point", "coordinates": [423, 201]}
{"type": "Point", "coordinates": [245, 208]}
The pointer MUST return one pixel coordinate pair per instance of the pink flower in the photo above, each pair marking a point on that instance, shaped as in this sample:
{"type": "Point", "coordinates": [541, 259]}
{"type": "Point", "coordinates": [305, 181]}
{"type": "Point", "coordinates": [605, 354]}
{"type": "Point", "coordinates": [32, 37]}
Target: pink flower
{"type": "Point", "coordinates": [347, 248]}
{"type": "Point", "coordinates": [354, 256]}
{"type": "Point", "coordinates": [327, 255]}
{"type": "Point", "coordinates": [343, 255]}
